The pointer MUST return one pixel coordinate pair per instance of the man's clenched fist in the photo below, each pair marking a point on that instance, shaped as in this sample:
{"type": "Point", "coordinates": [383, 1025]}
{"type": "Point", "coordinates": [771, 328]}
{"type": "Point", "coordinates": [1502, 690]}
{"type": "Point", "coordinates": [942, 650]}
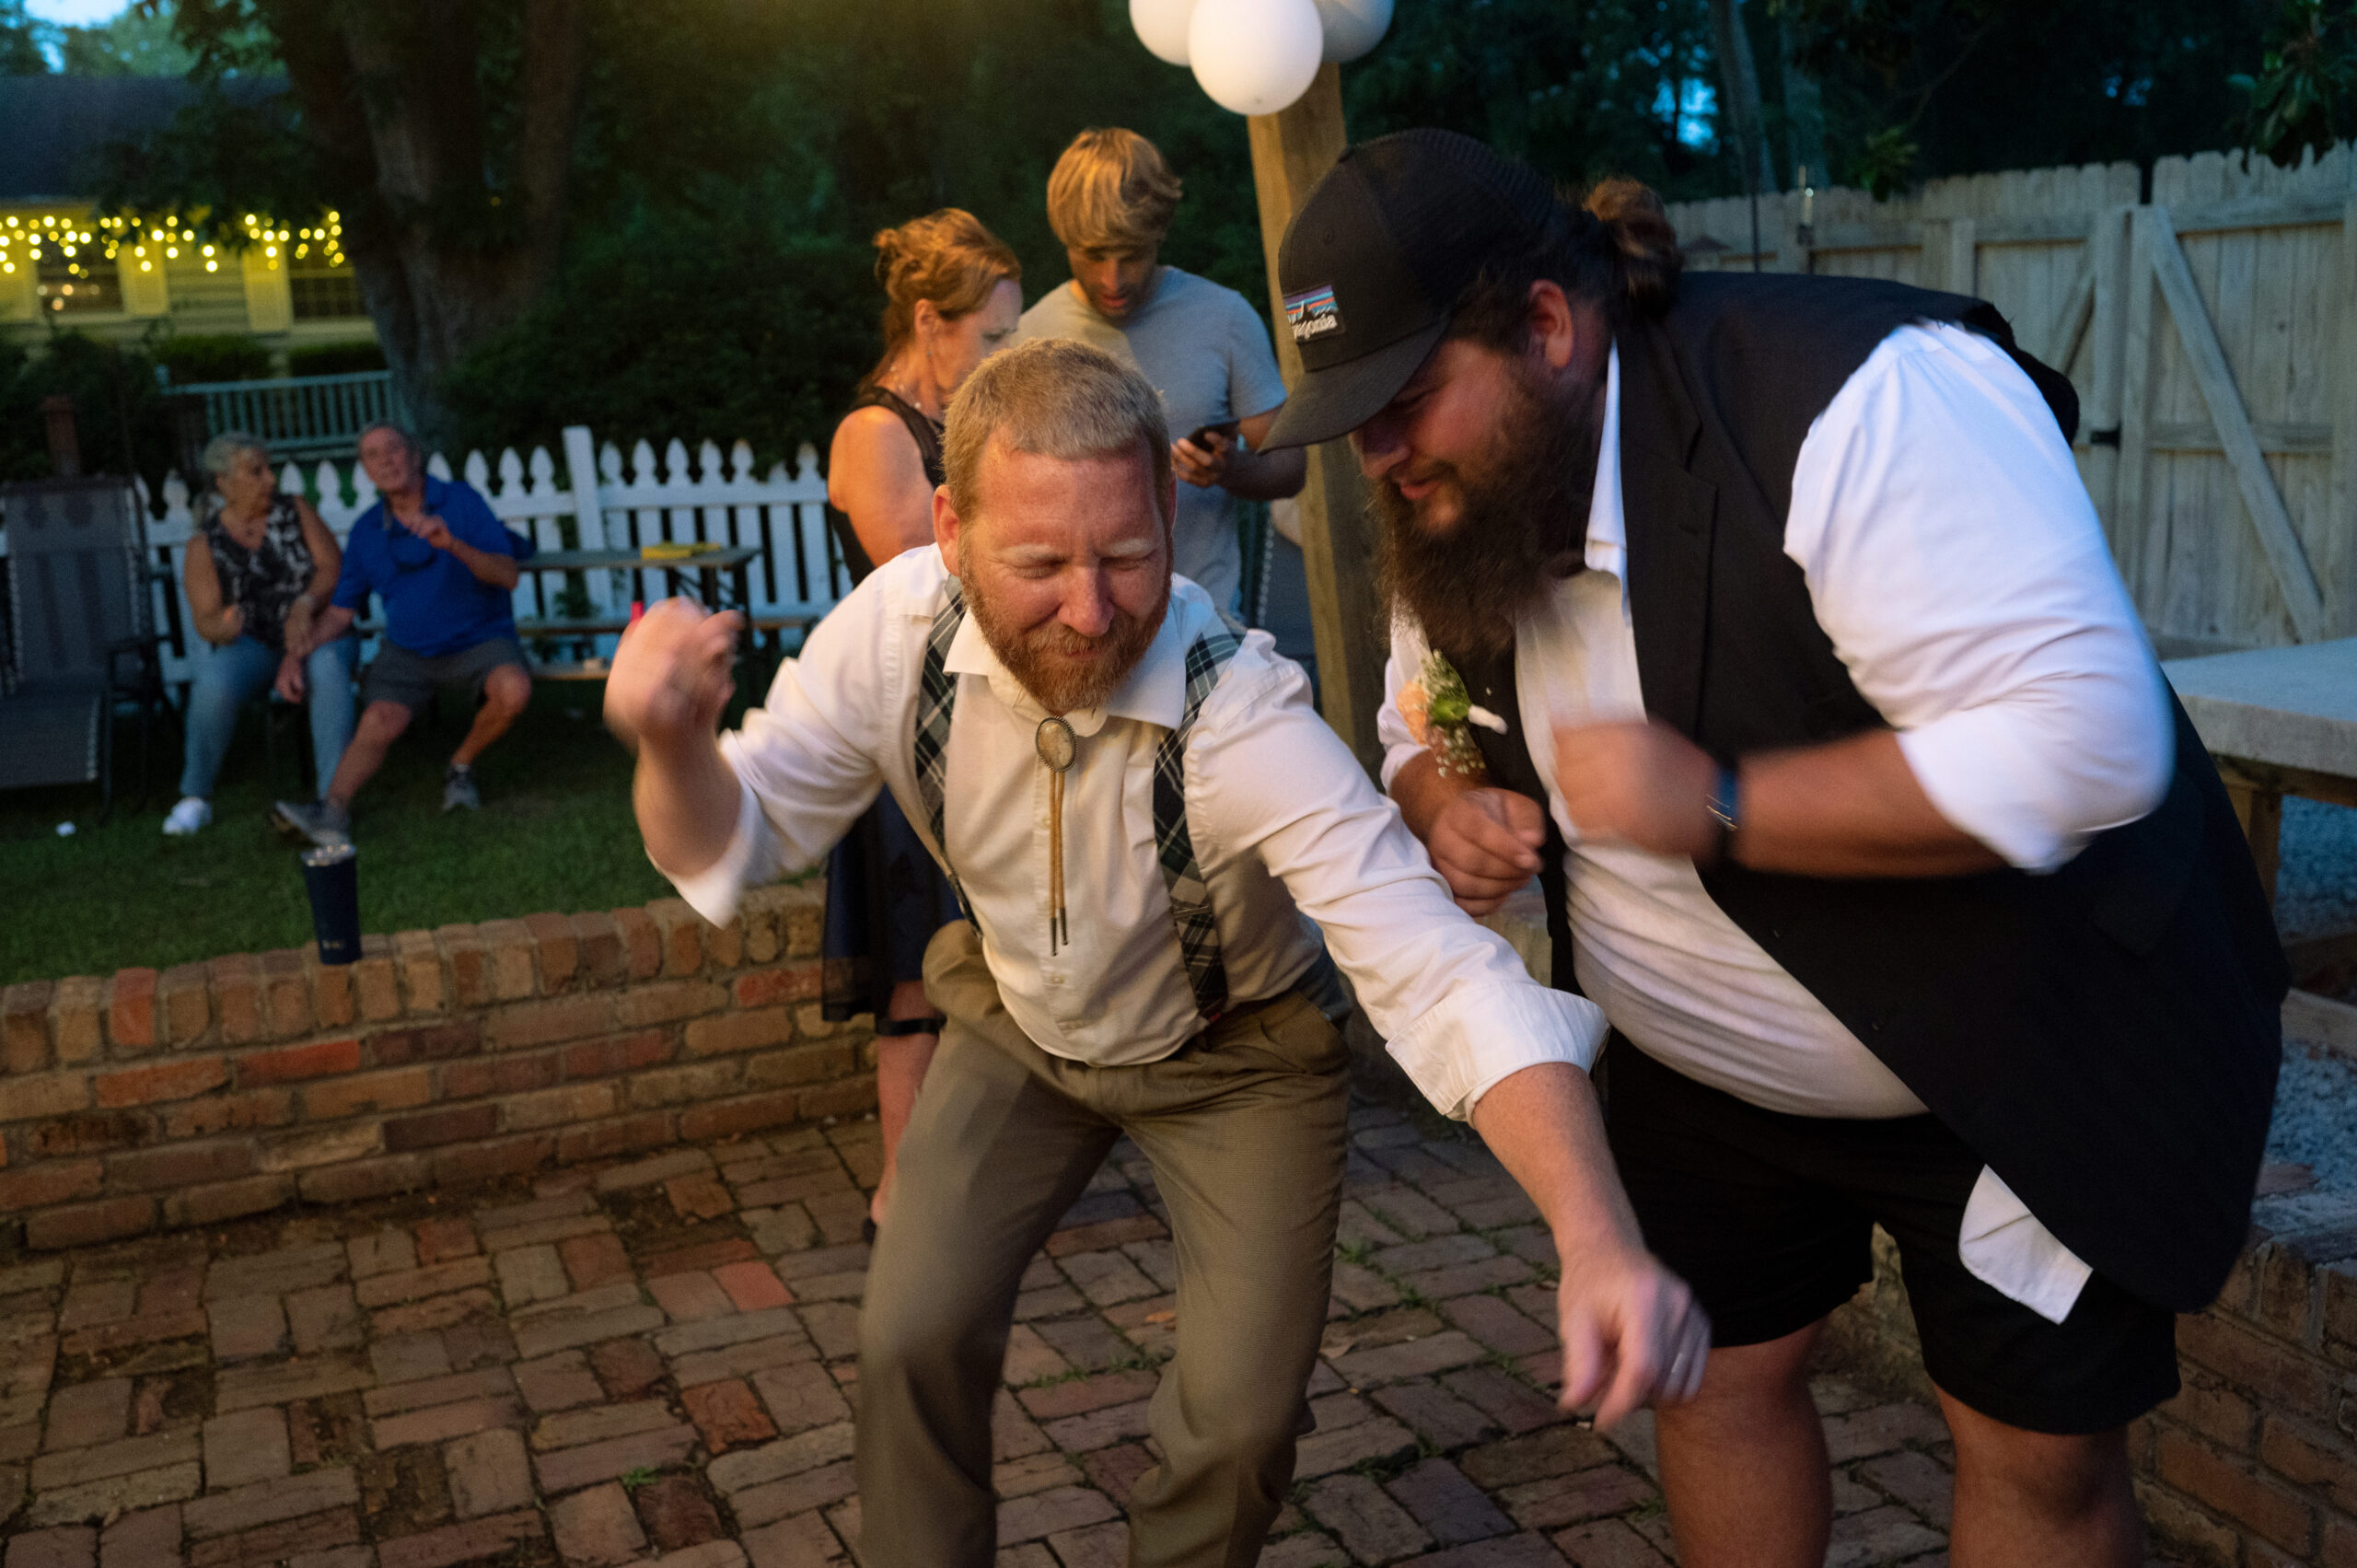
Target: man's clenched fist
{"type": "Point", "coordinates": [671, 676]}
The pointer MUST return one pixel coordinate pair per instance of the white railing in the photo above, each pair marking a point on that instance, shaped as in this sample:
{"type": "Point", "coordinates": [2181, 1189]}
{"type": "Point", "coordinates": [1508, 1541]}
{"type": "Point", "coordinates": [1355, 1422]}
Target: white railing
{"type": "Point", "coordinates": [799, 574]}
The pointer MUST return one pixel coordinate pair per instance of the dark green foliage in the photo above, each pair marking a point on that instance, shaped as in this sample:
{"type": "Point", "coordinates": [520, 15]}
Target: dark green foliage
{"type": "Point", "coordinates": [2305, 95]}
{"type": "Point", "coordinates": [20, 42]}
{"type": "Point", "coordinates": [118, 414]}
{"type": "Point", "coordinates": [211, 356]}
{"type": "Point", "coordinates": [335, 359]}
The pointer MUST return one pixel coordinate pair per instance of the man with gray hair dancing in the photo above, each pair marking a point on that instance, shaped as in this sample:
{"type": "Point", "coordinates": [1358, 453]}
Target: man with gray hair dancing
{"type": "Point", "coordinates": [1139, 807]}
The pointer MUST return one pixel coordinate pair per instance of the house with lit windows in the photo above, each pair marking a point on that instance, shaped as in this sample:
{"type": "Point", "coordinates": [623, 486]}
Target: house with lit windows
{"type": "Point", "coordinates": [63, 266]}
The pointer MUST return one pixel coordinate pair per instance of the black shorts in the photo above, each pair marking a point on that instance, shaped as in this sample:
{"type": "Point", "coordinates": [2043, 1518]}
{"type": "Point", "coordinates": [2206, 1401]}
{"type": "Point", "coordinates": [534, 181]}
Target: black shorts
{"type": "Point", "coordinates": [1769, 1218]}
{"type": "Point", "coordinates": [397, 675]}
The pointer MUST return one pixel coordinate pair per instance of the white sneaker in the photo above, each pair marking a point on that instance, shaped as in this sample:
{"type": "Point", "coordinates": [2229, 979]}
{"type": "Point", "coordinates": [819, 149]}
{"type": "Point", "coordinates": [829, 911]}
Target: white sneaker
{"type": "Point", "coordinates": [193, 812]}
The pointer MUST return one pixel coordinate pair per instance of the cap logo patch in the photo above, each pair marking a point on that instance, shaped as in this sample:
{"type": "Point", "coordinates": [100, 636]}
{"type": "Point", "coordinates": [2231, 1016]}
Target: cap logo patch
{"type": "Point", "coordinates": [1313, 314]}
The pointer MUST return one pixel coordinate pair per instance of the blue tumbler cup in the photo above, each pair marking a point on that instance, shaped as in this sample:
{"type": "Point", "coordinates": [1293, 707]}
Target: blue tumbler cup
{"type": "Point", "coordinates": [333, 878]}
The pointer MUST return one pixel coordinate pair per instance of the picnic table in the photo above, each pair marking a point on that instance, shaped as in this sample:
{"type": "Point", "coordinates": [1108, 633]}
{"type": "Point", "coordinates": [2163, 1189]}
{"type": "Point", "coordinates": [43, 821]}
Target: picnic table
{"type": "Point", "coordinates": [2279, 722]}
{"type": "Point", "coordinates": [708, 567]}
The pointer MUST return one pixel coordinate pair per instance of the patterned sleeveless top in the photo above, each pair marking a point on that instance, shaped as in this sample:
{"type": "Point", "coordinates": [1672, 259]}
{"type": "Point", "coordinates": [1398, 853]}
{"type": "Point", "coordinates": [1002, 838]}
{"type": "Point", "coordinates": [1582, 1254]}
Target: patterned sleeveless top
{"type": "Point", "coordinates": [266, 580]}
{"type": "Point", "coordinates": [927, 435]}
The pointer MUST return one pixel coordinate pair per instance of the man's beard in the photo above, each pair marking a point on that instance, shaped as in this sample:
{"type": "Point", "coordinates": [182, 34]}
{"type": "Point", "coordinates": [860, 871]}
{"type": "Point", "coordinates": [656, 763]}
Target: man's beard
{"type": "Point", "coordinates": [1040, 656]}
{"type": "Point", "coordinates": [1522, 518]}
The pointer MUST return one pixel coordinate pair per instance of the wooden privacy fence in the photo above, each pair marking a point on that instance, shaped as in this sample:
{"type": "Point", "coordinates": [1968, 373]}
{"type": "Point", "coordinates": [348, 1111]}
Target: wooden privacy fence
{"type": "Point", "coordinates": [798, 575]}
{"type": "Point", "coordinates": [2211, 331]}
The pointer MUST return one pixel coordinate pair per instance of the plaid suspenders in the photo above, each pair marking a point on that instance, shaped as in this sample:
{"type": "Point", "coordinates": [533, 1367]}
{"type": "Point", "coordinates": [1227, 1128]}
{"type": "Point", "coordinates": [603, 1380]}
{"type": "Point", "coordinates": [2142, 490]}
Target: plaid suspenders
{"type": "Point", "coordinates": [1191, 907]}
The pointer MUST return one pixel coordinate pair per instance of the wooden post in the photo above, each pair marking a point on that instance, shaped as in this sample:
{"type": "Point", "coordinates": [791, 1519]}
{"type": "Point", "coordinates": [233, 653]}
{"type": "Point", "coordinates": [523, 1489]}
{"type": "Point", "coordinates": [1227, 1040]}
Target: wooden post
{"type": "Point", "coordinates": [1290, 150]}
{"type": "Point", "coordinates": [64, 445]}
{"type": "Point", "coordinates": [2340, 564]}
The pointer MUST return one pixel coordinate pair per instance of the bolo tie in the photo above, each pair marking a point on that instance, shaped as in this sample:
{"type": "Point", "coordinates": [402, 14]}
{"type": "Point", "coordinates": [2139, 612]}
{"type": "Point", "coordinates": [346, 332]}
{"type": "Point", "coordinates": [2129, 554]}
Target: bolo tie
{"type": "Point", "coordinates": [1057, 750]}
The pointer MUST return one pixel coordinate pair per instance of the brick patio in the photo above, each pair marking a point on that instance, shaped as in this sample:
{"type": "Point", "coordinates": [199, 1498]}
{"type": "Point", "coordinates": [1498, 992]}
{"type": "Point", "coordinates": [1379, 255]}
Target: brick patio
{"type": "Point", "coordinates": [656, 1361]}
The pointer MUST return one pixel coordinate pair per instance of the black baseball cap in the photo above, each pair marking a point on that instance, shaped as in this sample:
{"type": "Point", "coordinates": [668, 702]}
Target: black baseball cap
{"type": "Point", "coordinates": [1373, 263]}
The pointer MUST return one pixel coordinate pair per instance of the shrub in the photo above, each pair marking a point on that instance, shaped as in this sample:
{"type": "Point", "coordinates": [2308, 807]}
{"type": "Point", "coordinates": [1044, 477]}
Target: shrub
{"type": "Point", "coordinates": [212, 356]}
{"type": "Point", "coordinates": [349, 359]}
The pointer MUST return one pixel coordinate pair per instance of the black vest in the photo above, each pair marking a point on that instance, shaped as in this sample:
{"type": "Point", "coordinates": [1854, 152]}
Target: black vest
{"type": "Point", "coordinates": [2106, 1037]}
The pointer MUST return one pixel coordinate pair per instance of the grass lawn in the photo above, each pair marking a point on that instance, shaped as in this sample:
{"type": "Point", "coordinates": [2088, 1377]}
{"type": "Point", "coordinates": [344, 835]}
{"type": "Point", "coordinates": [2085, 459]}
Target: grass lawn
{"type": "Point", "coordinates": [556, 832]}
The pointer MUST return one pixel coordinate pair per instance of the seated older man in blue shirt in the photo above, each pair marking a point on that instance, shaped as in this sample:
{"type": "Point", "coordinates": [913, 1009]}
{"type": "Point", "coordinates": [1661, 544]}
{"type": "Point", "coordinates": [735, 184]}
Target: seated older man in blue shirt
{"type": "Point", "coordinates": [445, 567]}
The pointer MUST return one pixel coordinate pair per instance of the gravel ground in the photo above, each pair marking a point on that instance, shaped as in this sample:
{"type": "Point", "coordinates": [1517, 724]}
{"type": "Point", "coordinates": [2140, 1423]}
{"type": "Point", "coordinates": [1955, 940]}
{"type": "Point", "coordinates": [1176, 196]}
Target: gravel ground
{"type": "Point", "coordinates": [2316, 1115]}
{"type": "Point", "coordinates": [2318, 890]}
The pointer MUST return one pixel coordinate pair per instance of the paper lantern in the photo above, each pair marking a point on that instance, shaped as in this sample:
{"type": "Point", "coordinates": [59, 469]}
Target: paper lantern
{"type": "Point", "coordinates": [1255, 56]}
{"type": "Point", "coordinates": [1161, 26]}
{"type": "Point", "coordinates": [1353, 26]}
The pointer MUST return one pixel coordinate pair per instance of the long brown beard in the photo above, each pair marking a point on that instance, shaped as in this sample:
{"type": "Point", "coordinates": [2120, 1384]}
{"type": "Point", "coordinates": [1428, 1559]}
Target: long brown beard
{"type": "Point", "coordinates": [1518, 531]}
{"type": "Point", "coordinates": [1037, 656]}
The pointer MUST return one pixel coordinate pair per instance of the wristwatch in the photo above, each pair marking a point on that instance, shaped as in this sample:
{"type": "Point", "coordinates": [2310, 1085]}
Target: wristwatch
{"type": "Point", "coordinates": [1725, 806]}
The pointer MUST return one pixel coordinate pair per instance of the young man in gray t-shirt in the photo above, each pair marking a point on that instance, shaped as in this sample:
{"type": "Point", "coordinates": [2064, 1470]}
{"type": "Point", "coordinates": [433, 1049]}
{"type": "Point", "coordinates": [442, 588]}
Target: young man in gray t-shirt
{"type": "Point", "coordinates": [1111, 199]}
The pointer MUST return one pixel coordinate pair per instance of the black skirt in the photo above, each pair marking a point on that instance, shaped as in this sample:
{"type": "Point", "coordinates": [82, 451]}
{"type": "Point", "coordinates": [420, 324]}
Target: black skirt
{"type": "Point", "coordinates": [886, 898]}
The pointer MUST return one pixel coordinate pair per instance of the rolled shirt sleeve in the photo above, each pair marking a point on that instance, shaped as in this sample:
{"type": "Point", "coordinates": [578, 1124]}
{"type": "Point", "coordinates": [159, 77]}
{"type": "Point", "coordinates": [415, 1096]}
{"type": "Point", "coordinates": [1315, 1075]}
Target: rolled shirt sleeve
{"type": "Point", "coordinates": [1955, 560]}
{"type": "Point", "coordinates": [1451, 999]}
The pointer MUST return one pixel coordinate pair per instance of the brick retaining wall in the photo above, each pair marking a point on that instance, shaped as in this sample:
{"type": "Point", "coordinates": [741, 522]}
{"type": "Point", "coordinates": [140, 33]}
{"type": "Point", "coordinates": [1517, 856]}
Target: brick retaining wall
{"type": "Point", "coordinates": [2255, 1464]}
{"type": "Point", "coordinates": [213, 1091]}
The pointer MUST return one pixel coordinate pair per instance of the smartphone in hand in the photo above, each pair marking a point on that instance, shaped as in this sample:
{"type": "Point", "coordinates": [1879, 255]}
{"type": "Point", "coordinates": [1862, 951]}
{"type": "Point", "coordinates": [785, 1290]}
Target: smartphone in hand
{"type": "Point", "coordinates": [1225, 427]}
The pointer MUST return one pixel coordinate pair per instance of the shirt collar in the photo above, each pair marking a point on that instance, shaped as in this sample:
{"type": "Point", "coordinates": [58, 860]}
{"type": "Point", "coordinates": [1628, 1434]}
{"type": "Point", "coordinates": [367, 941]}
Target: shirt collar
{"type": "Point", "coordinates": [1155, 692]}
{"type": "Point", "coordinates": [1608, 525]}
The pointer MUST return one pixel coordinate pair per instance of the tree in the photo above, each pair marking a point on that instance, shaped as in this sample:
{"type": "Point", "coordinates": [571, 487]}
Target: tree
{"type": "Point", "coordinates": [440, 131]}
{"type": "Point", "coordinates": [2305, 96]}
{"type": "Point", "coordinates": [20, 42]}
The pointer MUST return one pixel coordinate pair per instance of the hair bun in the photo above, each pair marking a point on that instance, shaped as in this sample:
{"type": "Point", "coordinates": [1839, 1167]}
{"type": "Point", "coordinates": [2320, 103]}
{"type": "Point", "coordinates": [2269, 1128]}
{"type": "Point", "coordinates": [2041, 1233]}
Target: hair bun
{"type": "Point", "coordinates": [1644, 243]}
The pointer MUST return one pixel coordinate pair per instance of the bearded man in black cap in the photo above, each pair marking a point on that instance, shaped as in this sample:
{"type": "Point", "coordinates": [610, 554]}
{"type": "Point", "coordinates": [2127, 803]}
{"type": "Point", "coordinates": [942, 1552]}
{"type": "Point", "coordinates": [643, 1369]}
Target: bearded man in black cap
{"type": "Point", "coordinates": [1801, 678]}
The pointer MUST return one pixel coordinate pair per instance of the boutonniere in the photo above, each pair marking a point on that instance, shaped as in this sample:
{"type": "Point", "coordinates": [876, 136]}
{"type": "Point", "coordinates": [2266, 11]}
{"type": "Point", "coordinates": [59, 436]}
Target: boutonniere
{"type": "Point", "coordinates": [1439, 713]}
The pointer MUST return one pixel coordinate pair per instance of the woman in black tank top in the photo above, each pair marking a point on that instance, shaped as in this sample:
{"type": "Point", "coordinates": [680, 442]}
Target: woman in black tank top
{"type": "Point", "coordinates": [952, 300]}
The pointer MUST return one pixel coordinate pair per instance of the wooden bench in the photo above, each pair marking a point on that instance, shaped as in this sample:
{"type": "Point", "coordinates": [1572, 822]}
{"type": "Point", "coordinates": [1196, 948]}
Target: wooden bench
{"type": "Point", "coordinates": [775, 624]}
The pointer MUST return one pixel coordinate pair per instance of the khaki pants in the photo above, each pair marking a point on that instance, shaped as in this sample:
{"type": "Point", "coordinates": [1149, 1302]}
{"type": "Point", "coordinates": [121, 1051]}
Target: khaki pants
{"type": "Point", "coordinates": [1243, 1128]}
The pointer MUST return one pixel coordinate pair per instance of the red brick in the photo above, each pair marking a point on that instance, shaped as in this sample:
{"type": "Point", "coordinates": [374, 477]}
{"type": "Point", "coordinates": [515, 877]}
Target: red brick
{"type": "Point", "coordinates": [2281, 1378]}
{"type": "Point", "coordinates": [179, 1165]}
{"type": "Point", "coordinates": [796, 983]}
{"type": "Point", "coordinates": [724, 946]}
{"type": "Point", "coordinates": [377, 983]}
{"type": "Point", "coordinates": [682, 932]}
{"type": "Point", "coordinates": [237, 997]}
{"type": "Point", "coordinates": [493, 1159]}
{"type": "Point", "coordinates": [450, 1124]}
{"type": "Point", "coordinates": [667, 1001]}
{"type": "Point", "coordinates": [402, 1089]}
{"type": "Point", "coordinates": [215, 1114]}
{"type": "Point", "coordinates": [622, 1054]}
{"type": "Point", "coordinates": [420, 962]}
{"type": "Point", "coordinates": [84, 1224]}
{"type": "Point", "coordinates": [817, 1063]}
{"type": "Point", "coordinates": [2311, 1456]}
{"type": "Point", "coordinates": [702, 1255]}
{"type": "Point", "coordinates": [728, 1415]}
{"type": "Point", "coordinates": [641, 943]}
{"type": "Point", "coordinates": [510, 946]}
{"type": "Point", "coordinates": [750, 1029]}
{"type": "Point", "coordinates": [2340, 1301]}
{"type": "Point", "coordinates": [627, 1368]}
{"type": "Point", "coordinates": [2218, 1413]}
{"type": "Point", "coordinates": [686, 1085]}
{"type": "Point", "coordinates": [452, 1544]}
{"type": "Point", "coordinates": [2339, 1549]}
{"type": "Point", "coordinates": [24, 1026]}
{"type": "Point", "coordinates": [554, 1108]}
{"type": "Point", "coordinates": [130, 1009]}
{"type": "Point", "coordinates": [286, 994]}
{"type": "Point", "coordinates": [164, 1081]}
{"type": "Point", "coordinates": [2192, 1530]}
{"type": "Point", "coordinates": [549, 1022]}
{"type": "Point", "coordinates": [470, 962]}
{"type": "Point", "coordinates": [355, 1179]}
{"type": "Point", "coordinates": [41, 1095]}
{"type": "Point", "coordinates": [853, 1097]}
{"type": "Point", "coordinates": [298, 1062]}
{"type": "Point", "coordinates": [87, 1133]}
{"type": "Point", "coordinates": [500, 1076]}
{"type": "Point", "coordinates": [2285, 1301]}
{"type": "Point", "coordinates": [678, 1516]}
{"type": "Point", "coordinates": [428, 1042]}
{"type": "Point", "coordinates": [438, 1242]}
{"type": "Point", "coordinates": [752, 1286]}
{"type": "Point", "coordinates": [58, 1181]}
{"type": "Point", "coordinates": [216, 1201]}
{"type": "Point", "coordinates": [334, 999]}
{"type": "Point", "coordinates": [725, 1119]}
{"type": "Point", "coordinates": [647, 1130]}
{"type": "Point", "coordinates": [186, 996]}
{"type": "Point", "coordinates": [593, 1260]}
{"type": "Point", "coordinates": [598, 943]}
{"type": "Point", "coordinates": [2253, 1501]}
{"type": "Point", "coordinates": [75, 1015]}
{"type": "Point", "coordinates": [556, 950]}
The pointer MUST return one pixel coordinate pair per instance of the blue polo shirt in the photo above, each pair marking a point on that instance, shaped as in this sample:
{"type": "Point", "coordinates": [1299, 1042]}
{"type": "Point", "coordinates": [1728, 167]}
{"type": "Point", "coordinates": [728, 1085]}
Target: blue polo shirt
{"type": "Point", "coordinates": [432, 604]}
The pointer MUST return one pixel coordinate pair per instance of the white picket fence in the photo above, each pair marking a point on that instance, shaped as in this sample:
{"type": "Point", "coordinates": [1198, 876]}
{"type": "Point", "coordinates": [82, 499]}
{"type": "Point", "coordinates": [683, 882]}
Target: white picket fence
{"type": "Point", "coordinates": [799, 573]}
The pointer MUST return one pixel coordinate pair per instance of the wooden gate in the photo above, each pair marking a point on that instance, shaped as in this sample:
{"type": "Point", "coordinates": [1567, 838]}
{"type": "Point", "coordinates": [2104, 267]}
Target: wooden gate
{"type": "Point", "coordinates": [2211, 331]}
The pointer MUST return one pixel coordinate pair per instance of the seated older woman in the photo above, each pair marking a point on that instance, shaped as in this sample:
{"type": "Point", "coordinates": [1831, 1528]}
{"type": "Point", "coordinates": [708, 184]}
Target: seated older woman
{"type": "Point", "coordinates": [260, 567]}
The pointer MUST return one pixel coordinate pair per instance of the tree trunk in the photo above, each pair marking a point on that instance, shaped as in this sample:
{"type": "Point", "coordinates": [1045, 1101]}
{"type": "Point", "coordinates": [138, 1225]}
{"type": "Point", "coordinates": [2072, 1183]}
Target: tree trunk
{"type": "Point", "coordinates": [452, 239]}
{"type": "Point", "coordinates": [1740, 81]}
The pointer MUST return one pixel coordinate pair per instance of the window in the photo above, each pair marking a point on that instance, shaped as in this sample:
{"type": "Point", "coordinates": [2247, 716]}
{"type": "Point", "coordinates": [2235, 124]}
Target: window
{"type": "Point", "coordinates": [71, 261]}
{"type": "Point", "coordinates": [320, 276]}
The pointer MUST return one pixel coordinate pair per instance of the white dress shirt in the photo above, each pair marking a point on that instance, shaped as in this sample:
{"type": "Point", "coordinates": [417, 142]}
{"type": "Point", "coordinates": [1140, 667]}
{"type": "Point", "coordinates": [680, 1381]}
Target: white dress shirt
{"type": "Point", "coordinates": [1284, 823]}
{"type": "Point", "coordinates": [1953, 557]}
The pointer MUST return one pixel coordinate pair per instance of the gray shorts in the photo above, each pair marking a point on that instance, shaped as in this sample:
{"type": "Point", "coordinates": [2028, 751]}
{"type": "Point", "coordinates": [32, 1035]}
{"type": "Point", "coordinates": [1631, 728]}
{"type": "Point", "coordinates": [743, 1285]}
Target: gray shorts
{"type": "Point", "coordinates": [397, 675]}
